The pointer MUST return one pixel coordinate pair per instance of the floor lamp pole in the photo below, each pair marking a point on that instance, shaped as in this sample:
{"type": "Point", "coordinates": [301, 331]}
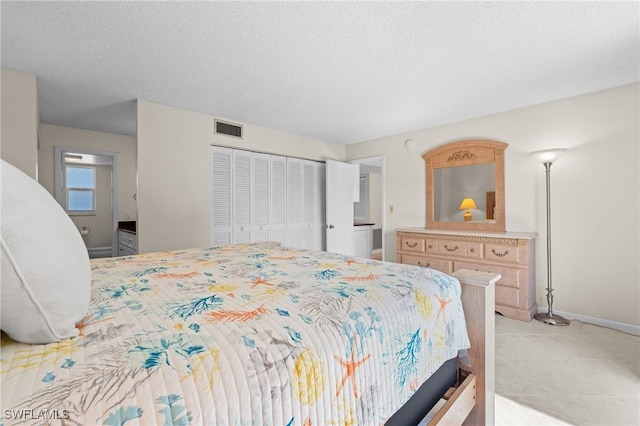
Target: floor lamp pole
{"type": "Point", "coordinates": [549, 317]}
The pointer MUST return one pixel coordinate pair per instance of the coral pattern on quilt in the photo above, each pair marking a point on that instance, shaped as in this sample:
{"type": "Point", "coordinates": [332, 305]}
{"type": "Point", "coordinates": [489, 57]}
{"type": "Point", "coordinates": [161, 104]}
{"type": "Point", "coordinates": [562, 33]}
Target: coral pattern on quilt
{"type": "Point", "coordinates": [251, 334]}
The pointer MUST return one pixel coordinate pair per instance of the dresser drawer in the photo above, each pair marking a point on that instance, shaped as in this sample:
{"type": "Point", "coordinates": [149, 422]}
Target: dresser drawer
{"type": "Point", "coordinates": [510, 276]}
{"type": "Point", "coordinates": [439, 264]}
{"type": "Point", "coordinates": [452, 248]}
{"type": "Point", "coordinates": [128, 239]}
{"type": "Point", "coordinates": [125, 251]}
{"type": "Point", "coordinates": [502, 253]}
{"type": "Point", "coordinates": [508, 296]}
{"type": "Point", "coordinates": [475, 250]}
{"type": "Point", "coordinates": [413, 244]}
{"type": "Point", "coordinates": [432, 246]}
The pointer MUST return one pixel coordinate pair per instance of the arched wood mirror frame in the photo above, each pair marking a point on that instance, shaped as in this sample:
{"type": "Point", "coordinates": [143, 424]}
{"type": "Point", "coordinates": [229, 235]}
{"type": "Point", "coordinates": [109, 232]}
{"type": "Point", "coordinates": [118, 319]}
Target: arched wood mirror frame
{"type": "Point", "coordinates": [460, 154]}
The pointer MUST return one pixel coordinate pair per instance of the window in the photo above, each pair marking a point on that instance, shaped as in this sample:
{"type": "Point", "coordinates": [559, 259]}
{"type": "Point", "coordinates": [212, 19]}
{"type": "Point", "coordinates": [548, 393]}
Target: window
{"type": "Point", "coordinates": [81, 189]}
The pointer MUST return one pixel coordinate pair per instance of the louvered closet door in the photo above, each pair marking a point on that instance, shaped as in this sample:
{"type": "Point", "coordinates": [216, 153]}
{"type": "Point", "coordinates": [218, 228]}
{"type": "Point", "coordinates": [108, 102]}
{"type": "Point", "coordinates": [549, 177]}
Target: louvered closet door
{"type": "Point", "coordinates": [309, 240]}
{"type": "Point", "coordinates": [294, 203]}
{"type": "Point", "coordinates": [221, 216]}
{"type": "Point", "coordinates": [278, 199]}
{"type": "Point", "coordinates": [260, 193]}
{"type": "Point", "coordinates": [321, 205]}
{"type": "Point", "coordinates": [314, 205]}
{"type": "Point", "coordinates": [241, 197]}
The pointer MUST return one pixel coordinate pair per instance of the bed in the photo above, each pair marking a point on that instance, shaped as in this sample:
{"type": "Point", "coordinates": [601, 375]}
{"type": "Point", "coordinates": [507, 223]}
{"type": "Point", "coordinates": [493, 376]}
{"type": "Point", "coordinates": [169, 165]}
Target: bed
{"type": "Point", "coordinates": [257, 334]}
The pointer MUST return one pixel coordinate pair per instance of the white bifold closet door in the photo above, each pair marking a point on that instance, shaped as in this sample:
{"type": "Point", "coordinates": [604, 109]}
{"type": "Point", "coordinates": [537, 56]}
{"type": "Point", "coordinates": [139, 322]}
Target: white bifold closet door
{"type": "Point", "coordinates": [261, 200]}
{"type": "Point", "coordinates": [321, 204]}
{"type": "Point", "coordinates": [278, 199]}
{"type": "Point", "coordinates": [261, 197]}
{"type": "Point", "coordinates": [313, 205]}
{"type": "Point", "coordinates": [294, 203]}
{"type": "Point", "coordinates": [242, 197]}
{"type": "Point", "coordinates": [221, 213]}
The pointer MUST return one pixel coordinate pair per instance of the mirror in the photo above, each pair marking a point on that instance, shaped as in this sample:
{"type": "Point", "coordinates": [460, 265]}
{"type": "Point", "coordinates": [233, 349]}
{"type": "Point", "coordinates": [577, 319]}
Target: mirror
{"type": "Point", "coordinates": [465, 186]}
{"type": "Point", "coordinates": [454, 184]}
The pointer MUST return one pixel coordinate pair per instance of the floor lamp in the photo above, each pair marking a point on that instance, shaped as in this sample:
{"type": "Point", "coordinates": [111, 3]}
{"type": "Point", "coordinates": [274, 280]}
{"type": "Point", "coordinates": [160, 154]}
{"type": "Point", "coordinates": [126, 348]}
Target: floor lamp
{"type": "Point", "coordinates": [547, 157]}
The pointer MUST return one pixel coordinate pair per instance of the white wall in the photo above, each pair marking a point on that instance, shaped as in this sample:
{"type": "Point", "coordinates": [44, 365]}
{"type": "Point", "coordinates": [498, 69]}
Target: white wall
{"type": "Point", "coordinates": [19, 121]}
{"type": "Point", "coordinates": [125, 146]}
{"type": "Point", "coordinates": [174, 171]}
{"type": "Point", "coordinates": [594, 194]}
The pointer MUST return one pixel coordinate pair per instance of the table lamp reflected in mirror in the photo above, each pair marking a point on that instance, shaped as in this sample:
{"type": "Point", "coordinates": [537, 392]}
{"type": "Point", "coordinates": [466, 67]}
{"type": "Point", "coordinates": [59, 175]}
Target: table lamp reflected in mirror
{"type": "Point", "coordinates": [467, 204]}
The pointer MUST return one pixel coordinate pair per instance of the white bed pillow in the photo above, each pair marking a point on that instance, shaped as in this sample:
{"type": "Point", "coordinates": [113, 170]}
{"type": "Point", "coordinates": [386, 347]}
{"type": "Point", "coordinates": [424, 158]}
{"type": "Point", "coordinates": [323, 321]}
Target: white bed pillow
{"type": "Point", "coordinates": [46, 276]}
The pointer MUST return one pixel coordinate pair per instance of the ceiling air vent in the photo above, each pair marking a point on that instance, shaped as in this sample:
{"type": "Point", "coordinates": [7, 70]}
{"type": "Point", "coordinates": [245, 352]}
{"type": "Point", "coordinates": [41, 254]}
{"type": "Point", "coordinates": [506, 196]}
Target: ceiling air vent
{"type": "Point", "coordinates": [223, 128]}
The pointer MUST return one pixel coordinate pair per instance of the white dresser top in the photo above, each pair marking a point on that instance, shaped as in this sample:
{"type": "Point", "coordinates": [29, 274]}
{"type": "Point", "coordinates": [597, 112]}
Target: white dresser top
{"type": "Point", "coordinates": [515, 235]}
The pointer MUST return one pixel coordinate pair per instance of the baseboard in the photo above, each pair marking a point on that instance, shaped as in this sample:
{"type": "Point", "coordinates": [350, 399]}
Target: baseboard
{"type": "Point", "coordinates": [620, 326]}
{"type": "Point", "coordinates": [97, 252]}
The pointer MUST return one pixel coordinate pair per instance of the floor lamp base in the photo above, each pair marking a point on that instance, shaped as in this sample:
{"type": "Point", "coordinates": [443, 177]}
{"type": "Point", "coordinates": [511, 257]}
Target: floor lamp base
{"type": "Point", "coordinates": [551, 319]}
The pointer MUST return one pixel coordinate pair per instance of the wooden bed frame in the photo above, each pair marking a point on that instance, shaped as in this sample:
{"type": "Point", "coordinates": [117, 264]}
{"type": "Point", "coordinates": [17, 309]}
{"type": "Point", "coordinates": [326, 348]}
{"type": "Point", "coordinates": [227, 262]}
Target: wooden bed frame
{"type": "Point", "coordinates": [473, 401]}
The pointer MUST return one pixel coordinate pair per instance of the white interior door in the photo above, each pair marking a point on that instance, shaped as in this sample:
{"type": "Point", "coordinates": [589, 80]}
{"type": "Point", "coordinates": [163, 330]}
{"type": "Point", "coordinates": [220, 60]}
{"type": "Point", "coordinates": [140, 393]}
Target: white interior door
{"type": "Point", "coordinates": [340, 194]}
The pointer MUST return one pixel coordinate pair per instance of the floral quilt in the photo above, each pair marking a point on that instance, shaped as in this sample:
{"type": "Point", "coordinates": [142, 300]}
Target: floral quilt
{"type": "Point", "coordinates": [253, 334]}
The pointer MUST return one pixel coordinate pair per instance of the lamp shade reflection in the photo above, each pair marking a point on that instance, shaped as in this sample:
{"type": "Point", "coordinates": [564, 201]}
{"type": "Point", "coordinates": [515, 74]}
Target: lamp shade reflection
{"type": "Point", "coordinates": [467, 204]}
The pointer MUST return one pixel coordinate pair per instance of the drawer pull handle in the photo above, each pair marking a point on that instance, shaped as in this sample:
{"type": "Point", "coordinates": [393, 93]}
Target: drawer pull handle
{"type": "Point", "coordinates": [412, 246]}
{"type": "Point", "coordinates": [472, 250]}
{"type": "Point", "coordinates": [426, 266]}
{"type": "Point", "coordinates": [430, 246]}
{"type": "Point", "coordinates": [506, 252]}
{"type": "Point", "coordinates": [451, 250]}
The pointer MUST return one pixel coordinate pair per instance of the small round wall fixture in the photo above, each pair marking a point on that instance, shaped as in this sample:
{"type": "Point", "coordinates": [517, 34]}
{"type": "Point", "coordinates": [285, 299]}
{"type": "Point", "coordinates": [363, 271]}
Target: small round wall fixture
{"type": "Point", "coordinates": [409, 144]}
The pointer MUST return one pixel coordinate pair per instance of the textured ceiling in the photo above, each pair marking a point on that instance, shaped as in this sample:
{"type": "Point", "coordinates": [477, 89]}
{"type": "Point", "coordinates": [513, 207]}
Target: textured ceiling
{"type": "Point", "coordinates": [340, 72]}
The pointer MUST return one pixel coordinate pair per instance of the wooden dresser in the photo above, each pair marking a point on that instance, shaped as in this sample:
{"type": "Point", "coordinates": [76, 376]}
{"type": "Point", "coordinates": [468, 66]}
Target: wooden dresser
{"type": "Point", "coordinates": [510, 254]}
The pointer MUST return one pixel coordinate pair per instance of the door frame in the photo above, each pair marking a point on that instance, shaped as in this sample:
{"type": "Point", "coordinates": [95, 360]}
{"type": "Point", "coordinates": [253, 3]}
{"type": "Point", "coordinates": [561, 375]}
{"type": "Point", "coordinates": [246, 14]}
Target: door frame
{"type": "Point", "coordinates": [59, 153]}
{"type": "Point", "coordinates": [375, 160]}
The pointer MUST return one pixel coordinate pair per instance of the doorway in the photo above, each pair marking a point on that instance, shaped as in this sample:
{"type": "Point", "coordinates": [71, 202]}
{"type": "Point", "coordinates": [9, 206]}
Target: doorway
{"type": "Point", "coordinates": [370, 208]}
{"type": "Point", "coordinates": [86, 187]}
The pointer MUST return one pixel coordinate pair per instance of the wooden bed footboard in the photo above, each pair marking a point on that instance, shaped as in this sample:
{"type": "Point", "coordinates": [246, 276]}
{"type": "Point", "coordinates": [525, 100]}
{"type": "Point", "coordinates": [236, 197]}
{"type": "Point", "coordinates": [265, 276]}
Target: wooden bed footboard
{"type": "Point", "coordinates": [478, 301]}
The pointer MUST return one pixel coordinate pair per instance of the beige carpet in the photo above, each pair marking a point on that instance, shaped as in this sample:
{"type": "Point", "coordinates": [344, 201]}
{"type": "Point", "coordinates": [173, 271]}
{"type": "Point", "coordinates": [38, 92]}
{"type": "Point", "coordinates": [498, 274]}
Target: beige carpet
{"type": "Point", "coordinates": [579, 375]}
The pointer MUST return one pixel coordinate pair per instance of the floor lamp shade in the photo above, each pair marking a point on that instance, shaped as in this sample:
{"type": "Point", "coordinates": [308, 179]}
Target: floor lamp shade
{"type": "Point", "coordinates": [547, 157]}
